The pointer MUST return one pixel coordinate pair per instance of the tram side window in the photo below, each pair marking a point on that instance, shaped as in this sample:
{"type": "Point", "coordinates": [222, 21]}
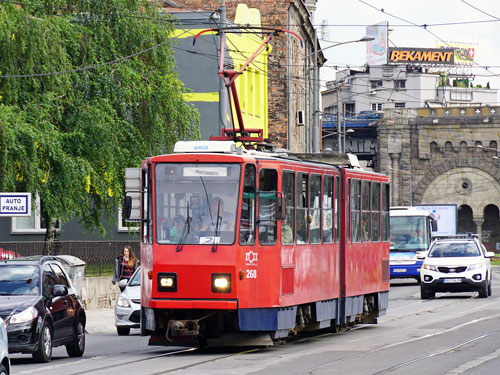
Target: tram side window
{"type": "Point", "coordinates": [302, 200]}
{"type": "Point", "coordinates": [348, 213]}
{"type": "Point", "coordinates": [288, 225]}
{"type": "Point", "coordinates": [384, 212]}
{"type": "Point", "coordinates": [337, 208]}
{"type": "Point", "coordinates": [327, 209]}
{"type": "Point", "coordinates": [247, 223]}
{"type": "Point", "coordinates": [366, 215]}
{"type": "Point", "coordinates": [315, 209]}
{"type": "Point", "coordinates": [355, 211]}
{"type": "Point", "coordinates": [268, 186]}
{"type": "Point", "coordinates": [376, 211]}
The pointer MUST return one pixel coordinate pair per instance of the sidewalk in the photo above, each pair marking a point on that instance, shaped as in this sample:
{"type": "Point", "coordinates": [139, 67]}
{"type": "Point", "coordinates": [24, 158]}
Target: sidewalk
{"type": "Point", "coordinates": [100, 320]}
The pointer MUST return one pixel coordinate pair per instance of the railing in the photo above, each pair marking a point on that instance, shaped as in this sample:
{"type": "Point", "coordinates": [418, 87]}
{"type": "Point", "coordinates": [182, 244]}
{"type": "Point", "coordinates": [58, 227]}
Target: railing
{"type": "Point", "coordinates": [98, 255]}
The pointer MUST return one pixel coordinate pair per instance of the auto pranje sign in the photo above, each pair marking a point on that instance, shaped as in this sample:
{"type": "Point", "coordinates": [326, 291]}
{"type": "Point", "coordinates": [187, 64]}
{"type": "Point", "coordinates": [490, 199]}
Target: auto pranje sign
{"type": "Point", "coordinates": [15, 204]}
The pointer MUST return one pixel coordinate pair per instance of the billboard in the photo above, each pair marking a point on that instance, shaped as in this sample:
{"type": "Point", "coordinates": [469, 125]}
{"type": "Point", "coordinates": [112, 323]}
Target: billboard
{"type": "Point", "coordinates": [464, 52]}
{"type": "Point", "coordinates": [432, 56]}
{"type": "Point", "coordinates": [445, 215]}
{"type": "Point", "coordinates": [376, 50]}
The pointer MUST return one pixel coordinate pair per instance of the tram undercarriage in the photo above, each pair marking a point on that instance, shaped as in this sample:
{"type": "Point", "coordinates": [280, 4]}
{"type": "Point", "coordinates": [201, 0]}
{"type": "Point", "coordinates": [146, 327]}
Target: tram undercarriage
{"type": "Point", "coordinates": [265, 327]}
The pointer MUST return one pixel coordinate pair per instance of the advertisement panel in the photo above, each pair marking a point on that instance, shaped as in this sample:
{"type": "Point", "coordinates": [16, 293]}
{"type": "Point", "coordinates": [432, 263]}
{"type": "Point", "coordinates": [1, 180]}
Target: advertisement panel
{"type": "Point", "coordinates": [431, 56]}
{"type": "Point", "coordinates": [376, 50]}
{"type": "Point", "coordinates": [464, 52]}
{"type": "Point", "coordinates": [445, 215]}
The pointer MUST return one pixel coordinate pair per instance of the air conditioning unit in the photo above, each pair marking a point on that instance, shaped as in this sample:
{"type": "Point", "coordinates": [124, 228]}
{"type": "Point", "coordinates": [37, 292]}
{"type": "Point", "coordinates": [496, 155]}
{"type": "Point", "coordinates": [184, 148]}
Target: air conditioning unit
{"type": "Point", "coordinates": [300, 118]}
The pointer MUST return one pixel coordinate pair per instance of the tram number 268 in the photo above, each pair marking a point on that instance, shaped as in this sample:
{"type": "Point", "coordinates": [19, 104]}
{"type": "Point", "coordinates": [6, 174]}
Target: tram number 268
{"type": "Point", "coordinates": [251, 274]}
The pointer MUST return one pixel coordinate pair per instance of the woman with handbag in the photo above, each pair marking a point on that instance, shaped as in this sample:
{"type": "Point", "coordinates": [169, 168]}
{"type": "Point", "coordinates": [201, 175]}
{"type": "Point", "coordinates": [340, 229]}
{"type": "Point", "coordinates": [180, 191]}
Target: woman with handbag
{"type": "Point", "coordinates": [125, 265]}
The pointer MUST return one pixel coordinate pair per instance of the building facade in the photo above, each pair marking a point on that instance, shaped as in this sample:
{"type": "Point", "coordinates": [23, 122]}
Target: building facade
{"type": "Point", "coordinates": [290, 63]}
{"type": "Point", "coordinates": [446, 156]}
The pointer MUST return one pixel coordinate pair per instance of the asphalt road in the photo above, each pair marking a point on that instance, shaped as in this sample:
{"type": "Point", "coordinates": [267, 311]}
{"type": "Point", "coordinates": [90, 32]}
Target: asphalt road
{"type": "Point", "coordinates": [451, 334]}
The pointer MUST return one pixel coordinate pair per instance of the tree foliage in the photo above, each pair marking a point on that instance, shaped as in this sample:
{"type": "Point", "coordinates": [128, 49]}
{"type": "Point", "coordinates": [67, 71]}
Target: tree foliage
{"type": "Point", "coordinates": [69, 136]}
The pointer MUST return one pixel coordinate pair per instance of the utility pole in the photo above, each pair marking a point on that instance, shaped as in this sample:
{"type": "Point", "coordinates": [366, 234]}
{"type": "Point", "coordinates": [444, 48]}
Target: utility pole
{"type": "Point", "coordinates": [316, 130]}
{"type": "Point", "coordinates": [223, 98]}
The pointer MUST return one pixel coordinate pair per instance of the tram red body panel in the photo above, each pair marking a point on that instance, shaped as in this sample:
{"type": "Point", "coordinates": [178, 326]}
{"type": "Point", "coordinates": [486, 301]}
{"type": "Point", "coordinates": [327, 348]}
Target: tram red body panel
{"type": "Point", "coordinates": [271, 277]}
{"type": "Point", "coordinates": [366, 264]}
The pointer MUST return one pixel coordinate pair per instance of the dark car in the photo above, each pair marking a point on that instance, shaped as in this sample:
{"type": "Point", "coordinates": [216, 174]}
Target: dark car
{"type": "Point", "coordinates": [41, 308]}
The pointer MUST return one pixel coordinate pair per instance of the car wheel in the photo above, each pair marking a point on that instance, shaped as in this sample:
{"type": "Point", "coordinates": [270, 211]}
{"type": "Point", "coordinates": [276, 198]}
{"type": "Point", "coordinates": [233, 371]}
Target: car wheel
{"type": "Point", "coordinates": [426, 294]}
{"type": "Point", "coordinates": [44, 351]}
{"type": "Point", "coordinates": [77, 347]}
{"type": "Point", "coordinates": [123, 331]}
{"type": "Point", "coordinates": [3, 370]}
{"type": "Point", "coordinates": [483, 292]}
{"type": "Point", "coordinates": [489, 288]}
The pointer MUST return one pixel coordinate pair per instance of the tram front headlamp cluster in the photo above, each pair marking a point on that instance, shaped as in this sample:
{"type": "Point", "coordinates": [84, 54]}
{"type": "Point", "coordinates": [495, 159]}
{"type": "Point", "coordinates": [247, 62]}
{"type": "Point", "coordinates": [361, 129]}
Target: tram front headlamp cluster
{"type": "Point", "coordinates": [167, 282]}
{"type": "Point", "coordinates": [221, 283]}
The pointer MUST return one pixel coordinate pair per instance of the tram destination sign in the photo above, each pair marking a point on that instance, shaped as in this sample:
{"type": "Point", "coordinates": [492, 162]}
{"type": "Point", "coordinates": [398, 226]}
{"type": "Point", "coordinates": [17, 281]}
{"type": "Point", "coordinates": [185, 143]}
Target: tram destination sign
{"type": "Point", "coordinates": [15, 204]}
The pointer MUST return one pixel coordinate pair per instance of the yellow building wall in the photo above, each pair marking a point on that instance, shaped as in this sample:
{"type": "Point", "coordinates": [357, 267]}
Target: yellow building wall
{"type": "Point", "coordinates": [252, 84]}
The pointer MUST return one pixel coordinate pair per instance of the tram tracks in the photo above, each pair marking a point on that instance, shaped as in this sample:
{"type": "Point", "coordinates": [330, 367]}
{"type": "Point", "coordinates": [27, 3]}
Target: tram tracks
{"type": "Point", "coordinates": [387, 370]}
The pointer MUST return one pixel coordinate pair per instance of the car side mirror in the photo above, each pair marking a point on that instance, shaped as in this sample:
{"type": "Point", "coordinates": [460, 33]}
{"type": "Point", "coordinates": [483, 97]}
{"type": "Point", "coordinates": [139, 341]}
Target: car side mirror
{"type": "Point", "coordinates": [489, 254]}
{"type": "Point", "coordinates": [60, 291]}
{"type": "Point", "coordinates": [420, 256]}
{"type": "Point", "coordinates": [122, 284]}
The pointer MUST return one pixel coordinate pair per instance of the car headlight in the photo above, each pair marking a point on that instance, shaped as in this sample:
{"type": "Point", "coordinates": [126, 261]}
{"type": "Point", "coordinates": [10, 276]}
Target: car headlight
{"type": "Point", "coordinates": [122, 302]}
{"type": "Point", "coordinates": [221, 282]}
{"type": "Point", "coordinates": [27, 315]}
{"type": "Point", "coordinates": [475, 266]}
{"type": "Point", "coordinates": [430, 267]}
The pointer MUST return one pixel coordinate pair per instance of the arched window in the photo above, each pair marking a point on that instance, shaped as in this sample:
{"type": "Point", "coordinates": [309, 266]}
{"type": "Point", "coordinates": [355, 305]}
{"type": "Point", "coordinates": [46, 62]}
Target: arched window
{"type": "Point", "coordinates": [448, 146]}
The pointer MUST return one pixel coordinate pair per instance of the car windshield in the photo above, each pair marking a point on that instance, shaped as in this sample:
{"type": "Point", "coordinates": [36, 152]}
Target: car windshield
{"type": "Point", "coordinates": [19, 280]}
{"type": "Point", "coordinates": [454, 249]}
{"type": "Point", "coordinates": [136, 279]}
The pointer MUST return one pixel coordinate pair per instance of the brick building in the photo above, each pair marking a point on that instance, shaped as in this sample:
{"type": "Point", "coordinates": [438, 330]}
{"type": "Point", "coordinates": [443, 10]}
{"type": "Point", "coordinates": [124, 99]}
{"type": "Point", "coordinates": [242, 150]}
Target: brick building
{"type": "Point", "coordinates": [290, 63]}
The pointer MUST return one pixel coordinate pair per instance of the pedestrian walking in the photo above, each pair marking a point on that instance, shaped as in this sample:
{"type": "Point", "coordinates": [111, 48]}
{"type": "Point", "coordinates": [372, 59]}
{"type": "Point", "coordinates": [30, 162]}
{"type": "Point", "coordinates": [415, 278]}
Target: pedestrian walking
{"type": "Point", "coordinates": [125, 265]}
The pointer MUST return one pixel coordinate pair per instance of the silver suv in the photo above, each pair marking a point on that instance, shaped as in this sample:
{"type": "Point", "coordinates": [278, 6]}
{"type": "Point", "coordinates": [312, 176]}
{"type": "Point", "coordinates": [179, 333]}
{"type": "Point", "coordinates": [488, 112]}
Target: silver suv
{"type": "Point", "coordinates": [456, 264]}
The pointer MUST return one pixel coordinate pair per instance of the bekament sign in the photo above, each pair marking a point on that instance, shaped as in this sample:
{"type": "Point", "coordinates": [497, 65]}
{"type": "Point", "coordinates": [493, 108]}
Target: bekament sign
{"type": "Point", "coordinates": [440, 56]}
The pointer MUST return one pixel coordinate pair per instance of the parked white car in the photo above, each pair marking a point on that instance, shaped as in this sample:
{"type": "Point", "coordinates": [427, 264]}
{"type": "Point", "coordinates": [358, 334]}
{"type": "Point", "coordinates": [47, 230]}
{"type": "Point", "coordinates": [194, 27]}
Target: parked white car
{"type": "Point", "coordinates": [128, 304]}
{"type": "Point", "coordinates": [456, 264]}
{"type": "Point", "coordinates": [4, 349]}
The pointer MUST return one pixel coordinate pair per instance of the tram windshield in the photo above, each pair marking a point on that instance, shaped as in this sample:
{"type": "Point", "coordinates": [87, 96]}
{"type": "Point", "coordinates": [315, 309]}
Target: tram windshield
{"type": "Point", "coordinates": [196, 203]}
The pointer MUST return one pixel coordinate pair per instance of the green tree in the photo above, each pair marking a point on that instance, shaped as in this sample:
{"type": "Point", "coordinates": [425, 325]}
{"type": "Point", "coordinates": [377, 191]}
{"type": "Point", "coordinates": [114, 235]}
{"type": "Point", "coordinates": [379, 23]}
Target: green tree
{"type": "Point", "coordinates": [87, 88]}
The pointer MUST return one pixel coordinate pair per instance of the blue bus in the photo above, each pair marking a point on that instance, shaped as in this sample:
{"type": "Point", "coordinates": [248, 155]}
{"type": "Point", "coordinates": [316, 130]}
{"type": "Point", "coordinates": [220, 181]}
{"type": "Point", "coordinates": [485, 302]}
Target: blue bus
{"type": "Point", "coordinates": [411, 230]}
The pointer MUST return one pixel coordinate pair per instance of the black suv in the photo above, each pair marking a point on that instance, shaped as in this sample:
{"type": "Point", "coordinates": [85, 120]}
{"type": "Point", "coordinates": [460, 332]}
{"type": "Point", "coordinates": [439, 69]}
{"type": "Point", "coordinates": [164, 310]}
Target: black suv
{"type": "Point", "coordinates": [41, 307]}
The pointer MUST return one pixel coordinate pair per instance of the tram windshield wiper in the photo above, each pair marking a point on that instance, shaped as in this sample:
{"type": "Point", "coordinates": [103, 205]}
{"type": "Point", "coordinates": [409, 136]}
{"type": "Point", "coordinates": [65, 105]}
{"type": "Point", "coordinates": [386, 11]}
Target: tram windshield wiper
{"type": "Point", "coordinates": [185, 231]}
{"type": "Point", "coordinates": [218, 222]}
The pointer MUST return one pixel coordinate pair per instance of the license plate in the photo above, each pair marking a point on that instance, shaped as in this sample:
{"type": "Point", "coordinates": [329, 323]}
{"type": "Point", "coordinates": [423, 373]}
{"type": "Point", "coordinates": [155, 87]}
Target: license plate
{"type": "Point", "coordinates": [452, 281]}
{"type": "Point", "coordinates": [399, 270]}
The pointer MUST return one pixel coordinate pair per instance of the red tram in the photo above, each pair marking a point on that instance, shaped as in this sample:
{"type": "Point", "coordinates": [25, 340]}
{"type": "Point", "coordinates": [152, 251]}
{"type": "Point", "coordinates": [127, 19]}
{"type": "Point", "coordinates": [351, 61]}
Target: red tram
{"type": "Point", "coordinates": [249, 244]}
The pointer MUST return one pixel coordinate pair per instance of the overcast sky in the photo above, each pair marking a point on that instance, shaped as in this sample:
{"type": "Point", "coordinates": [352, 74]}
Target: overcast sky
{"type": "Point", "coordinates": [475, 22]}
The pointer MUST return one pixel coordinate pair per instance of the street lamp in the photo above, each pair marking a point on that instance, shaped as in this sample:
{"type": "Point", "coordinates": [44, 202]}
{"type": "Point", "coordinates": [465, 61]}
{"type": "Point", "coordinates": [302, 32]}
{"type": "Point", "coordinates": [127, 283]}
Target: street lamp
{"type": "Point", "coordinates": [316, 130]}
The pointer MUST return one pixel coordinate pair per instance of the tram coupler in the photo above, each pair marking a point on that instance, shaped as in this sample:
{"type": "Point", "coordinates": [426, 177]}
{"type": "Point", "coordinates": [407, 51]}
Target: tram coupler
{"type": "Point", "coordinates": [184, 327]}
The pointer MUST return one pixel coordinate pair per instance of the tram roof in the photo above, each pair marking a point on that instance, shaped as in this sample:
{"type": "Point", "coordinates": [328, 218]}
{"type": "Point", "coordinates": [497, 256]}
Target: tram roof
{"type": "Point", "coordinates": [231, 148]}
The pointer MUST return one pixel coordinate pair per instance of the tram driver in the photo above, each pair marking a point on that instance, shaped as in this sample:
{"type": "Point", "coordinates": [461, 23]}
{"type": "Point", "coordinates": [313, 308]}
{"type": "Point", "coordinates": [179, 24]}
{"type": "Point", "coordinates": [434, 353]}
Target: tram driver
{"type": "Point", "coordinates": [216, 206]}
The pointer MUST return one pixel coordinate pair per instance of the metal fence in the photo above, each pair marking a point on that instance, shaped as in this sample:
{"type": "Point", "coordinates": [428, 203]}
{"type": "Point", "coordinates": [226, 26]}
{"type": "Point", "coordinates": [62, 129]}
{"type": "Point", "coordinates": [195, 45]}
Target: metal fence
{"type": "Point", "coordinates": [98, 255]}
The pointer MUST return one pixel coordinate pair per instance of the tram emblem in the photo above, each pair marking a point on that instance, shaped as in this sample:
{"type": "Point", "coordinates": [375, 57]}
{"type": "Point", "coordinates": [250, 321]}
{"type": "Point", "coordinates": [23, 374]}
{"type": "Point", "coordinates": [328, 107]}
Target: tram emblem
{"type": "Point", "coordinates": [251, 257]}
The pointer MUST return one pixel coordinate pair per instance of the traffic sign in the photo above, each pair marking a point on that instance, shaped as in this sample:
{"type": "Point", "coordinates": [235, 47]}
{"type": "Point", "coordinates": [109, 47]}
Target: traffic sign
{"type": "Point", "coordinates": [15, 204]}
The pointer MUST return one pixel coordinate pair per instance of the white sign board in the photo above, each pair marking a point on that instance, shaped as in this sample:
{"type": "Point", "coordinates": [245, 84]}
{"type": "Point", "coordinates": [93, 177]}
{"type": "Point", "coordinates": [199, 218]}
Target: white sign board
{"type": "Point", "coordinates": [445, 215]}
{"type": "Point", "coordinates": [15, 204]}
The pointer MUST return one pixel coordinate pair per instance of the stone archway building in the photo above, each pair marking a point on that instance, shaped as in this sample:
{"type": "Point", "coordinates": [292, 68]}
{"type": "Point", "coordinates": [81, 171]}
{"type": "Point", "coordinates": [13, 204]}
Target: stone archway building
{"type": "Point", "coordinates": [446, 156]}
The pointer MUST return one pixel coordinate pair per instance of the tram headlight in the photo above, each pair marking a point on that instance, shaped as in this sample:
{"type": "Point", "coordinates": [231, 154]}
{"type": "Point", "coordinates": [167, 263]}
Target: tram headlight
{"type": "Point", "coordinates": [221, 283]}
{"type": "Point", "coordinates": [167, 282]}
